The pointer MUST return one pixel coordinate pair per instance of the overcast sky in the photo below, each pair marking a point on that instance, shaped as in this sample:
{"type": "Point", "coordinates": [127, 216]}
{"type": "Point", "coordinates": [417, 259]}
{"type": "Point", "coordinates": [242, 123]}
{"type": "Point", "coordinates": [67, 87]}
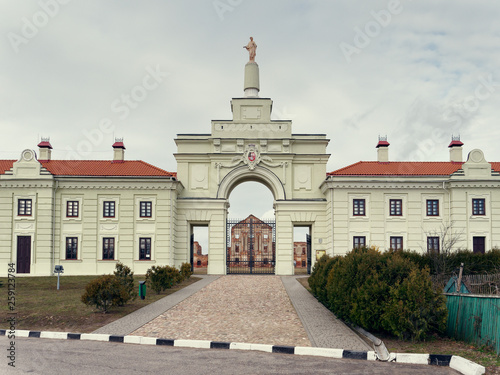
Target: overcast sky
{"type": "Point", "coordinates": [82, 72]}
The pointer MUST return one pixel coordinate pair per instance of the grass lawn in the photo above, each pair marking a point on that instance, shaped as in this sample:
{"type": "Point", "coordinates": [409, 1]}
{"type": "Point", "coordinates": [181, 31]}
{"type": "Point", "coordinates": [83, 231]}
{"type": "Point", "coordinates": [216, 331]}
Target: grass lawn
{"type": "Point", "coordinates": [41, 307]}
{"type": "Point", "coordinates": [440, 345]}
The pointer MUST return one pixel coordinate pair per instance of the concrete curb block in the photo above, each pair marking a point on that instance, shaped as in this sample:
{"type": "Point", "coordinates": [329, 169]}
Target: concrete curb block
{"type": "Point", "coordinates": [457, 363]}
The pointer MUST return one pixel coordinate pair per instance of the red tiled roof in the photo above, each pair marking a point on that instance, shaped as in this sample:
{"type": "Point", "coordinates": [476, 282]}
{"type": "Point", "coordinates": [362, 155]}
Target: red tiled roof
{"type": "Point", "coordinates": [396, 168]}
{"type": "Point", "coordinates": [5, 165]}
{"type": "Point", "coordinates": [104, 168]}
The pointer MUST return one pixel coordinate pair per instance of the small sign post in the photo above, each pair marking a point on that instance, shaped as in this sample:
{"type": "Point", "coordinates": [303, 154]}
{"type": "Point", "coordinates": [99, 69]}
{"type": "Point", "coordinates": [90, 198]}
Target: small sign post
{"type": "Point", "coordinates": [58, 270]}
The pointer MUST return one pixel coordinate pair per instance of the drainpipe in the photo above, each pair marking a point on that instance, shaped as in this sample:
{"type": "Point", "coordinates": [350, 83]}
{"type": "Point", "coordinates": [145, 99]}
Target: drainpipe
{"type": "Point", "coordinates": [54, 226]}
{"type": "Point", "coordinates": [171, 250]}
{"type": "Point", "coordinates": [331, 212]}
{"type": "Point", "coordinates": [449, 205]}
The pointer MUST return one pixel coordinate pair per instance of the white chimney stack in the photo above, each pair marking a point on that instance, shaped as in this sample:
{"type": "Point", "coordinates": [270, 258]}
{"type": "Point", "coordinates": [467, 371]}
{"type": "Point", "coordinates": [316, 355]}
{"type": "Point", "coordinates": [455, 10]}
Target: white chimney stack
{"type": "Point", "coordinates": [456, 149]}
{"type": "Point", "coordinates": [119, 151]}
{"type": "Point", "coordinates": [382, 150]}
{"type": "Point", "coordinates": [44, 149]}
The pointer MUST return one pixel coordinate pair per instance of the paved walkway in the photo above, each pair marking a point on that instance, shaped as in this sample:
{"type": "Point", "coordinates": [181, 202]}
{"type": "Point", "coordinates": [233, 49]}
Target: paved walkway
{"type": "Point", "coordinates": [323, 327]}
{"type": "Point", "coordinates": [241, 308]}
{"type": "Point", "coordinates": [138, 318]}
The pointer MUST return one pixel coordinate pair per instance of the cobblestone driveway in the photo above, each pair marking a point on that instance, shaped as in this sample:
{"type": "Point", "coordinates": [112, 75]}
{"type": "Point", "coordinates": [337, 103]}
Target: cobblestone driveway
{"type": "Point", "coordinates": [235, 308]}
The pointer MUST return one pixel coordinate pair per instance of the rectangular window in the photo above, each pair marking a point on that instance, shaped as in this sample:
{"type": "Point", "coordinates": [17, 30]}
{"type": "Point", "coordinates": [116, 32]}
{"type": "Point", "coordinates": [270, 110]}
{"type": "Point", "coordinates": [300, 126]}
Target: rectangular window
{"type": "Point", "coordinates": [71, 247]}
{"type": "Point", "coordinates": [396, 207]}
{"type": "Point", "coordinates": [359, 242]}
{"type": "Point", "coordinates": [478, 207]}
{"type": "Point", "coordinates": [479, 244]}
{"type": "Point", "coordinates": [144, 248]}
{"type": "Point", "coordinates": [237, 248]}
{"type": "Point", "coordinates": [433, 244]}
{"type": "Point", "coordinates": [432, 207]}
{"type": "Point", "coordinates": [72, 209]}
{"type": "Point", "coordinates": [108, 248]}
{"type": "Point", "coordinates": [358, 207]}
{"type": "Point", "coordinates": [24, 207]}
{"type": "Point", "coordinates": [397, 243]}
{"type": "Point", "coordinates": [145, 209]}
{"type": "Point", "coordinates": [108, 209]}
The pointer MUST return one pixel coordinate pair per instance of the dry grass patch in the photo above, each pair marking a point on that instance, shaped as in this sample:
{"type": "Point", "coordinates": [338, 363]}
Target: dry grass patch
{"type": "Point", "coordinates": [41, 307]}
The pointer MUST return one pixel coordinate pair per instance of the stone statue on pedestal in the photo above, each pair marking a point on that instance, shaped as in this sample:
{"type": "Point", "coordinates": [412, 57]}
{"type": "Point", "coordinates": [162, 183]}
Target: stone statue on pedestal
{"type": "Point", "coordinates": [251, 47]}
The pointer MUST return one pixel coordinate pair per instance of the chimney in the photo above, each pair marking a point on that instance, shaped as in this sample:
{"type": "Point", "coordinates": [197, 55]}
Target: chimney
{"type": "Point", "coordinates": [44, 149]}
{"type": "Point", "coordinates": [119, 151]}
{"type": "Point", "coordinates": [382, 150]}
{"type": "Point", "coordinates": [456, 149]}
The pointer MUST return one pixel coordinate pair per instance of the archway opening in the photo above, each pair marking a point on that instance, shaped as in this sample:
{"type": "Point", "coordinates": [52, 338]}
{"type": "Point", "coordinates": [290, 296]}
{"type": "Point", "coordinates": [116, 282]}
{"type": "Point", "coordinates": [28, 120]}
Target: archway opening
{"type": "Point", "coordinates": [302, 249]}
{"type": "Point", "coordinates": [251, 239]}
{"type": "Point", "coordinates": [199, 249]}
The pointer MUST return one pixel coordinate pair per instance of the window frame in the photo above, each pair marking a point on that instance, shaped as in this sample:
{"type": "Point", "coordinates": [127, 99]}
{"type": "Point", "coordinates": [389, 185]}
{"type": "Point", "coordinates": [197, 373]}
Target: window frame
{"type": "Point", "coordinates": [110, 241]}
{"type": "Point", "coordinates": [73, 204]}
{"type": "Point", "coordinates": [146, 204]}
{"type": "Point", "coordinates": [25, 208]}
{"type": "Point", "coordinates": [359, 246]}
{"type": "Point", "coordinates": [358, 207]}
{"type": "Point", "coordinates": [147, 241]}
{"type": "Point", "coordinates": [476, 211]}
{"type": "Point", "coordinates": [433, 240]}
{"type": "Point", "coordinates": [396, 238]}
{"type": "Point", "coordinates": [474, 245]}
{"type": "Point", "coordinates": [113, 209]}
{"type": "Point", "coordinates": [73, 241]}
{"type": "Point", "coordinates": [433, 210]}
{"type": "Point", "coordinates": [397, 204]}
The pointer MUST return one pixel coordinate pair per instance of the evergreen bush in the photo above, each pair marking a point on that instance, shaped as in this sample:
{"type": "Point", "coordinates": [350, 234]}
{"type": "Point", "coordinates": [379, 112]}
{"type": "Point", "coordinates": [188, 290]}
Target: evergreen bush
{"type": "Point", "coordinates": [126, 277]}
{"type": "Point", "coordinates": [384, 292]}
{"type": "Point", "coordinates": [186, 271]}
{"type": "Point", "coordinates": [104, 292]}
{"type": "Point", "coordinates": [160, 278]}
{"type": "Point", "coordinates": [413, 310]}
{"type": "Point", "coordinates": [318, 279]}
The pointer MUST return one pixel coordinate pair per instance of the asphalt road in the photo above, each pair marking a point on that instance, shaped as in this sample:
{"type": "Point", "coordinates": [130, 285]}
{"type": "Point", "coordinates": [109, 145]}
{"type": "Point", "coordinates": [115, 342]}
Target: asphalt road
{"type": "Point", "coordinates": [46, 356]}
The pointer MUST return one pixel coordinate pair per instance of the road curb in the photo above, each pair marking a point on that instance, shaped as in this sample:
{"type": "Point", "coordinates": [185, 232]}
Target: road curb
{"type": "Point", "coordinates": [457, 363]}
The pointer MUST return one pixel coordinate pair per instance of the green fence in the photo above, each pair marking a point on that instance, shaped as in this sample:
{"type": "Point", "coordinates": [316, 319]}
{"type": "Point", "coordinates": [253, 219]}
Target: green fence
{"type": "Point", "coordinates": [474, 318]}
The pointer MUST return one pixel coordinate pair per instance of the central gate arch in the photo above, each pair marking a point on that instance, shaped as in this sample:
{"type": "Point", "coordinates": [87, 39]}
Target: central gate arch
{"type": "Point", "coordinates": [250, 147]}
{"type": "Point", "coordinates": [259, 174]}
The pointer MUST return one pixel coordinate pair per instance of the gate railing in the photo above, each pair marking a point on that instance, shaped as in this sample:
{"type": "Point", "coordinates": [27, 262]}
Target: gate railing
{"type": "Point", "coordinates": [250, 246]}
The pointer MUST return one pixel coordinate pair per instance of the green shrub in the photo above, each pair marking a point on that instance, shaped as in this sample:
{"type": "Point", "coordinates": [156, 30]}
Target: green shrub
{"type": "Point", "coordinates": [160, 278]}
{"type": "Point", "coordinates": [447, 262]}
{"type": "Point", "coordinates": [186, 271]}
{"type": "Point", "coordinates": [413, 310]}
{"type": "Point", "coordinates": [367, 288]}
{"type": "Point", "coordinates": [104, 292]}
{"type": "Point", "coordinates": [319, 274]}
{"type": "Point", "coordinates": [126, 277]}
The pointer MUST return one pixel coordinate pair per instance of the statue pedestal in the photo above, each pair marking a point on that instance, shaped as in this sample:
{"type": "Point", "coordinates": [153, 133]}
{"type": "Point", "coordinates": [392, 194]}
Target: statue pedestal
{"type": "Point", "coordinates": [251, 85]}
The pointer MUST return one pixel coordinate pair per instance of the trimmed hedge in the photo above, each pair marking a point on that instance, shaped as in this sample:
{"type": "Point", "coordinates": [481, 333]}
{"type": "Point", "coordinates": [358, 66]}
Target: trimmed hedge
{"type": "Point", "coordinates": [380, 292]}
{"type": "Point", "coordinates": [446, 263]}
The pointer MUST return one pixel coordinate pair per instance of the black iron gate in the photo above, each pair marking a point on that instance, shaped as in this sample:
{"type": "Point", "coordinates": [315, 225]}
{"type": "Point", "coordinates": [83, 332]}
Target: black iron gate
{"type": "Point", "coordinates": [191, 252]}
{"type": "Point", "coordinates": [250, 245]}
{"type": "Point", "coordinates": [308, 241]}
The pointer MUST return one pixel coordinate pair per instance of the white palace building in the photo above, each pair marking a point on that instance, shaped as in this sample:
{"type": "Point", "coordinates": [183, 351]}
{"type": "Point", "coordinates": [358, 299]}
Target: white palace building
{"type": "Point", "coordinates": [88, 214]}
